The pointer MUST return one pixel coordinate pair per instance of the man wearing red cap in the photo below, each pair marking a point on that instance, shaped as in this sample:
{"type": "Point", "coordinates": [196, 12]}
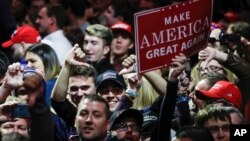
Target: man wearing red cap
{"type": "Point", "coordinates": [22, 38]}
{"type": "Point", "coordinates": [224, 90]}
{"type": "Point", "coordinates": [121, 45]}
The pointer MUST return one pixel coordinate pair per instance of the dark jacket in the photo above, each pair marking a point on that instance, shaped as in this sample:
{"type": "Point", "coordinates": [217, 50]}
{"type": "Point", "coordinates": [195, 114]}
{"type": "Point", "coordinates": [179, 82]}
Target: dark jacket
{"type": "Point", "coordinates": [241, 69]}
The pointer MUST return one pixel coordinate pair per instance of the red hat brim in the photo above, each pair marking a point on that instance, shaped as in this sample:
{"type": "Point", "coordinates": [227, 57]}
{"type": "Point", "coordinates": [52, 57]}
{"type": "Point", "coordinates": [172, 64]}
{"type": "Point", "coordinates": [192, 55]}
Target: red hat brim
{"type": "Point", "coordinates": [7, 44]}
{"type": "Point", "coordinates": [208, 94]}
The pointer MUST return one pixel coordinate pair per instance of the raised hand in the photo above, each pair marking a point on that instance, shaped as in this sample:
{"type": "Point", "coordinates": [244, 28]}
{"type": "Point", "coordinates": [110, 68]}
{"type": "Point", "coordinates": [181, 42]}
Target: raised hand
{"type": "Point", "coordinates": [177, 67]}
{"type": "Point", "coordinates": [134, 81]}
{"type": "Point", "coordinates": [14, 76]}
{"type": "Point", "coordinates": [207, 55]}
{"type": "Point", "coordinates": [76, 56]}
{"type": "Point", "coordinates": [129, 65]}
{"type": "Point", "coordinates": [184, 82]}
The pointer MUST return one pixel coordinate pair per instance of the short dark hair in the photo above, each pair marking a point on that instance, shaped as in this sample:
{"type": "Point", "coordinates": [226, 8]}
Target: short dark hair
{"type": "Point", "coordinates": [124, 9]}
{"type": "Point", "coordinates": [211, 111]}
{"type": "Point", "coordinates": [241, 28]}
{"type": "Point", "coordinates": [195, 133]}
{"type": "Point", "coordinates": [98, 98]}
{"type": "Point", "coordinates": [231, 109]}
{"type": "Point", "coordinates": [74, 34]}
{"type": "Point", "coordinates": [59, 12]}
{"type": "Point", "coordinates": [78, 7]}
{"type": "Point", "coordinates": [84, 71]}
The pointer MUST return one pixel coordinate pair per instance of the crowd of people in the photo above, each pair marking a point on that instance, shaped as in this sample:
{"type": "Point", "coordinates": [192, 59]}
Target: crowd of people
{"type": "Point", "coordinates": [68, 72]}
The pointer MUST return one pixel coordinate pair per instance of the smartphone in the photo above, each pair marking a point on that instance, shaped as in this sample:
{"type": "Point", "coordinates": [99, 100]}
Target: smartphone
{"type": "Point", "coordinates": [21, 111]}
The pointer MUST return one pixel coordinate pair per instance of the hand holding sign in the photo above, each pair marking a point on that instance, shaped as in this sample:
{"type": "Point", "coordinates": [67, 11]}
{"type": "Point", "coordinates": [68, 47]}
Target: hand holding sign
{"type": "Point", "coordinates": [176, 28]}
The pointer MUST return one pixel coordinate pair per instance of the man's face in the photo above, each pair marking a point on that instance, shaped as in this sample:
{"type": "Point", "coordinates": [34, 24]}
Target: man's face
{"type": "Point", "coordinates": [91, 120]}
{"type": "Point", "coordinates": [112, 93]}
{"type": "Point", "coordinates": [121, 43]}
{"type": "Point", "coordinates": [43, 20]}
{"type": "Point", "coordinates": [128, 129]}
{"type": "Point", "coordinates": [213, 65]}
{"type": "Point", "coordinates": [94, 48]}
{"type": "Point", "coordinates": [108, 14]}
{"type": "Point", "coordinates": [80, 86]}
{"type": "Point", "coordinates": [199, 102]}
{"type": "Point", "coordinates": [219, 129]}
{"type": "Point", "coordinates": [18, 125]}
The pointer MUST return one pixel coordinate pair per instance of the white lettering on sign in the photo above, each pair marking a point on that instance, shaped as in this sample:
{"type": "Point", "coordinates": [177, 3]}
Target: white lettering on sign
{"type": "Point", "coordinates": [158, 52]}
{"type": "Point", "coordinates": [174, 34]}
{"type": "Point", "coordinates": [177, 18]}
{"type": "Point", "coordinates": [191, 42]}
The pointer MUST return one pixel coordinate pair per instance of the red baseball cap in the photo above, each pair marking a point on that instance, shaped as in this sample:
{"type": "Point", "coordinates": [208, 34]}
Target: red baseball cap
{"type": "Point", "coordinates": [122, 26]}
{"type": "Point", "coordinates": [225, 90]}
{"type": "Point", "coordinates": [25, 33]}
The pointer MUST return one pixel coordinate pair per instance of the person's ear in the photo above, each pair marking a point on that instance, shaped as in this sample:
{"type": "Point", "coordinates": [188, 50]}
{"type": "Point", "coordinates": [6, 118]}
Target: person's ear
{"type": "Point", "coordinates": [131, 45]}
{"type": "Point", "coordinates": [52, 20]}
{"type": "Point", "coordinates": [106, 50]}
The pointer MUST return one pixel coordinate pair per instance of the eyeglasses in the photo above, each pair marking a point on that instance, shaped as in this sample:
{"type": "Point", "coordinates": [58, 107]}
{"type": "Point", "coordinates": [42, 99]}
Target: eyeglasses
{"type": "Point", "coordinates": [115, 91]}
{"type": "Point", "coordinates": [124, 127]}
{"type": "Point", "coordinates": [215, 129]}
{"type": "Point", "coordinates": [210, 68]}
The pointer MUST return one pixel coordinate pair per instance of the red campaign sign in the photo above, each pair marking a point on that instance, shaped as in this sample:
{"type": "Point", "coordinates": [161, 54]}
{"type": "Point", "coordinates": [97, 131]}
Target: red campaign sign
{"type": "Point", "coordinates": [164, 32]}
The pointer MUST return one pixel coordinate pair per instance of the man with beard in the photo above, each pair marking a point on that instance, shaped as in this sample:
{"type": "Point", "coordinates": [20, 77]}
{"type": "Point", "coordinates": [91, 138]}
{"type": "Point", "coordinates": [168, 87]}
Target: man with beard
{"type": "Point", "coordinates": [125, 125]}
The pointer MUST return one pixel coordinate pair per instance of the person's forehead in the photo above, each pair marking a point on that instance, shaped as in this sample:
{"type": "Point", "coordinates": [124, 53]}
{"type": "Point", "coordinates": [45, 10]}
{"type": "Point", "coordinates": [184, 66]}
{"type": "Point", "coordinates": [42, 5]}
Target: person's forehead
{"type": "Point", "coordinates": [16, 45]}
{"type": "Point", "coordinates": [16, 121]}
{"type": "Point", "coordinates": [127, 120]}
{"type": "Point", "coordinates": [216, 121]}
{"type": "Point", "coordinates": [87, 104]}
{"type": "Point", "coordinates": [211, 63]}
{"type": "Point", "coordinates": [92, 37]}
{"type": "Point", "coordinates": [80, 79]}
